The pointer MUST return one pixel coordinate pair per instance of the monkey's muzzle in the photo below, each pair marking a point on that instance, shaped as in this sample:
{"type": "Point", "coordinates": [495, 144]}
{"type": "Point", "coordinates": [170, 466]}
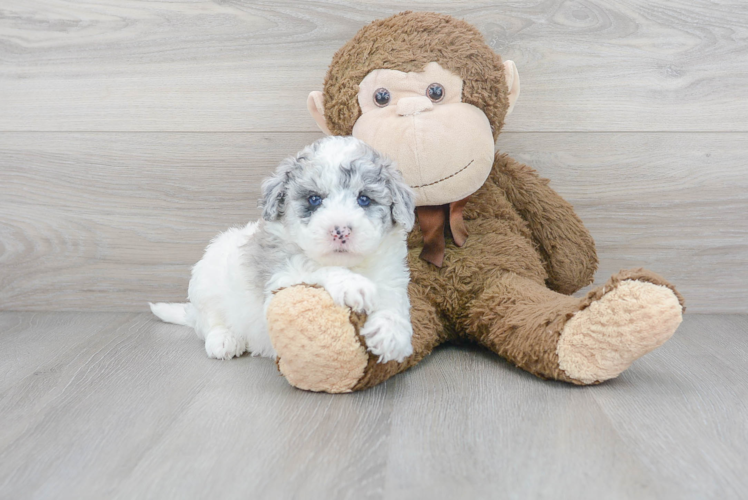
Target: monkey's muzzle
{"type": "Point", "coordinates": [445, 152]}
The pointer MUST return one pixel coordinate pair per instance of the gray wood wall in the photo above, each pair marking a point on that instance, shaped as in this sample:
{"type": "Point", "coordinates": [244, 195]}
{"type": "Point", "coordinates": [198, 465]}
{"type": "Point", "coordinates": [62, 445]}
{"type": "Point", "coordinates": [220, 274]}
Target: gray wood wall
{"type": "Point", "coordinates": [131, 132]}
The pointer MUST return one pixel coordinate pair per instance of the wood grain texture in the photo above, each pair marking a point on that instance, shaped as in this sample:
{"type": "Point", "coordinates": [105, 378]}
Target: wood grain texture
{"type": "Point", "coordinates": [114, 218]}
{"type": "Point", "coordinates": [132, 408]}
{"type": "Point", "coordinates": [239, 65]}
{"type": "Point", "coordinates": [110, 221]}
{"type": "Point", "coordinates": [131, 132]}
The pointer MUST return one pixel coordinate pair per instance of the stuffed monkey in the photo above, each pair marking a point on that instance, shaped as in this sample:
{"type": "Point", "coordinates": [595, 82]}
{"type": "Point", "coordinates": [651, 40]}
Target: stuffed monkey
{"type": "Point", "coordinates": [496, 252]}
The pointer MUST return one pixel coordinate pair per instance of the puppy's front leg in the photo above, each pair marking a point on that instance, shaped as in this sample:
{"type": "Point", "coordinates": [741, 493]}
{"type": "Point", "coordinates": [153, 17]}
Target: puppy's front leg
{"type": "Point", "coordinates": [346, 288]}
{"type": "Point", "coordinates": [388, 330]}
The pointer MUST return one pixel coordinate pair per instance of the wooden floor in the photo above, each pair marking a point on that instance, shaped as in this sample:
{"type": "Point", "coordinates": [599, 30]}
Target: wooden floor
{"type": "Point", "coordinates": [118, 405]}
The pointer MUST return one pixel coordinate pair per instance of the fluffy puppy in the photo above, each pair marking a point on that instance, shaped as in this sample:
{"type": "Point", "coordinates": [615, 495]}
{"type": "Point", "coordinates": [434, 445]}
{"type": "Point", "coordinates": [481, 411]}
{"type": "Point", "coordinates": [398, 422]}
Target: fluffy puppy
{"type": "Point", "coordinates": [336, 215]}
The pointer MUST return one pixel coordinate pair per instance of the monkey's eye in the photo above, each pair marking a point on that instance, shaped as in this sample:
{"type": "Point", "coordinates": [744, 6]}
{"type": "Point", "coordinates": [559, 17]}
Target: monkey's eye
{"type": "Point", "coordinates": [315, 200]}
{"type": "Point", "coordinates": [435, 92]}
{"type": "Point", "coordinates": [381, 97]}
{"type": "Point", "coordinates": [364, 200]}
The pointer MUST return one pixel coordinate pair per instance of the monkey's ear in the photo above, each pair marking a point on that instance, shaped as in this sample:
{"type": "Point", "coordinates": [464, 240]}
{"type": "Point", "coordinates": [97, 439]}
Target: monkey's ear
{"type": "Point", "coordinates": [512, 82]}
{"type": "Point", "coordinates": [315, 103]}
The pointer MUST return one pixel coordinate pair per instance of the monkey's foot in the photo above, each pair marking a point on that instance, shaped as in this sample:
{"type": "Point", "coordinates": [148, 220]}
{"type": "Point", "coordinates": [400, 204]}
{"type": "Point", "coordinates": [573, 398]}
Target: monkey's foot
{"type": "Point", "coordinates": [632, 319]}
{"type": "Point", "coordinates": [316, 340]}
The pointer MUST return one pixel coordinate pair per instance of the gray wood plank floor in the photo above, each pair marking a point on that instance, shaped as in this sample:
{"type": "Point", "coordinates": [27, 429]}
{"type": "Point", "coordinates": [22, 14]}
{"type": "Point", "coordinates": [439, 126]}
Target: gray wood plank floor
{"type": "Point", "coordinates": [118, 405]}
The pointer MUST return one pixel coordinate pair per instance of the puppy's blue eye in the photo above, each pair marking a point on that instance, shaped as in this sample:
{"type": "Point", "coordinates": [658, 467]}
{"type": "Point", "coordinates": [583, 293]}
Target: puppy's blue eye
{"type": "Point", "coordinates": [364, 200]}
{"type": "Point", "coordinates": [315, 200]}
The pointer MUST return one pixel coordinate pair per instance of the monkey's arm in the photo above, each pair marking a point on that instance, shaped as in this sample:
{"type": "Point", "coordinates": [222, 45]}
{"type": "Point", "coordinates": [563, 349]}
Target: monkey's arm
{"type": "Point", "coordinates": [567, 248]}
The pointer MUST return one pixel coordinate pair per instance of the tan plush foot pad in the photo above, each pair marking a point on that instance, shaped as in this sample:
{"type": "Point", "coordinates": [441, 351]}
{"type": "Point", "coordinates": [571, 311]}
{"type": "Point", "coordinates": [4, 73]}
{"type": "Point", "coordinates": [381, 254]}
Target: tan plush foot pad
{"type": "Point", "coordinates": [317, 344]}
{"type": "Point", "coordinates": [601, 341]}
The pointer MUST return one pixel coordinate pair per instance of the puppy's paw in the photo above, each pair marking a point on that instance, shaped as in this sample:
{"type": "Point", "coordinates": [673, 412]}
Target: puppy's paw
{"type": "Point", "coordinates": [388, 335]}
{"type": "Point", "coordinates": [352, 290]}
{"type": "Point", "coordinates": [220, 343]}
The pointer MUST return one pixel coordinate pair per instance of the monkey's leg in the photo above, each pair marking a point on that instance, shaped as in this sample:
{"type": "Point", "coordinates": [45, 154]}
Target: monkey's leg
{"type": "Point", "coordinates": [579, 340]}
{"type": "Point", "coordinates": [319, 348]}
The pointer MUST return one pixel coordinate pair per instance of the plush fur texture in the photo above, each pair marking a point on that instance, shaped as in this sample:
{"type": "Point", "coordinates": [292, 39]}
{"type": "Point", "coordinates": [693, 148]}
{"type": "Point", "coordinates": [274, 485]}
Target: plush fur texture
{"type": "Point", "coordinates": [601, 341]}
{"type": "Point", "coordinates": [408, 42]}
{"type": "Point", "coordinates": [508, 287]}
{"type": "Point", "coordinates": [335, 216]}
{"type": "Point", "coordinates": [313, 360]}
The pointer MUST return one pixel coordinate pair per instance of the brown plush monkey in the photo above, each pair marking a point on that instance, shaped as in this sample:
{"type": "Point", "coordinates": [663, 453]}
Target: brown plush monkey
{"type": "Point", "coordinates": [497, 252]}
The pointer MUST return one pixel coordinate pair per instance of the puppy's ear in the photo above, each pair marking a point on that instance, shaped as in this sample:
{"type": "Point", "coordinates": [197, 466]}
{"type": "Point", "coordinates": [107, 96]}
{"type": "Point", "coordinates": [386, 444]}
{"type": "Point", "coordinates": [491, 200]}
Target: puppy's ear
{"type": "Point", "coordinates": [403, 197]}
{"type": "Point", "coordinates": [275, 189]}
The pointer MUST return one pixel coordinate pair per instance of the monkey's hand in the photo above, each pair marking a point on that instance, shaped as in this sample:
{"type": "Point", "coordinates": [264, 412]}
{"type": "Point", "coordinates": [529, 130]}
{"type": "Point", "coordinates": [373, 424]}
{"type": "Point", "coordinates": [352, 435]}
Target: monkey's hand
{"type": "Point", "coordinates": [566, 246]}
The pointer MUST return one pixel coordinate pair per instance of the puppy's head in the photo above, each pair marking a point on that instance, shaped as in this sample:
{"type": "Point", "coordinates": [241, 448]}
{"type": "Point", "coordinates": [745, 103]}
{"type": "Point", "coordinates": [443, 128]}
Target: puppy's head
{"type": "Point", "coordinates": [338, 198]}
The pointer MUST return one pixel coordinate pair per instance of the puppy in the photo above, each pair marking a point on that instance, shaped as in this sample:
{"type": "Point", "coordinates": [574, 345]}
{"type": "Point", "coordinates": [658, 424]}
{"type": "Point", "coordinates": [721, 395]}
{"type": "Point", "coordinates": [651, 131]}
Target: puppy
{"type": "Point", "coordinates": [335, 216]}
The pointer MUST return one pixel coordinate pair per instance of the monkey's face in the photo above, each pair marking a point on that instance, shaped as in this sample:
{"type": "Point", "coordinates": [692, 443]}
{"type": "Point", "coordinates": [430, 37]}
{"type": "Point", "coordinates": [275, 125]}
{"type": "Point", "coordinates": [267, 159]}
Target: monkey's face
{"type": "Point", "coordinates": [443, 146]}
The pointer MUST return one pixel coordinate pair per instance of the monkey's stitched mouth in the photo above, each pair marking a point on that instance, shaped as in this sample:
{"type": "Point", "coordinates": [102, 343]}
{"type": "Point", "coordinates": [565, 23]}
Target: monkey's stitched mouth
{"type": "Point", "coordinates": [445, 178]}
